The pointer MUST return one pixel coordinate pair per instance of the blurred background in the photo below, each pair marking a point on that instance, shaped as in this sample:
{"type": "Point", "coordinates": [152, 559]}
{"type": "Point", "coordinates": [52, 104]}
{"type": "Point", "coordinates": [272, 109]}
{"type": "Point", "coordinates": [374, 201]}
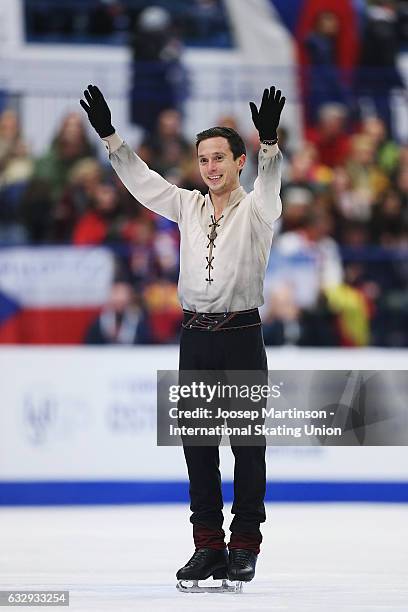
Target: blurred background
{"type": "Point", "coordinates": [338, 270]}
{"type": "Point", "coordinates": [83, 263]}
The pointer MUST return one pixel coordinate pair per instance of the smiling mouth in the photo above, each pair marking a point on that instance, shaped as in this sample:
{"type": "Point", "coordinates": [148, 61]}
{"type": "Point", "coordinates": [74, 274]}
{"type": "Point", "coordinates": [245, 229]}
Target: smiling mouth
{"type": "Point", "coordinates": [216, 177]}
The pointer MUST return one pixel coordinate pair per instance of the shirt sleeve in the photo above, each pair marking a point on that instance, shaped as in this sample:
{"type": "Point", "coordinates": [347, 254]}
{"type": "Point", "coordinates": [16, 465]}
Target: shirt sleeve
{"type": "Point", "coordinates": [147, 186]}
{"type": "Point", "coordinates": [266, 202]}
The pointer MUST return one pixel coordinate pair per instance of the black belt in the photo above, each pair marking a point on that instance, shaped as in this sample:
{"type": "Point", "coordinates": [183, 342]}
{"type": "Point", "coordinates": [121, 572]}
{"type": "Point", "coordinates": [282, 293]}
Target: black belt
{"type": "Point", "coordinates": [220, 321]}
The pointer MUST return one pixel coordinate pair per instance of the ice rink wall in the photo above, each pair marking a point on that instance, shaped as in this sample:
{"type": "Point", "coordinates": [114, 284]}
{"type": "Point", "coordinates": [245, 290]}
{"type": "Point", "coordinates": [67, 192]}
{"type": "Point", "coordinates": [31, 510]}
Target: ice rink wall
{"type": "Point", "coordinates": [78, 425]}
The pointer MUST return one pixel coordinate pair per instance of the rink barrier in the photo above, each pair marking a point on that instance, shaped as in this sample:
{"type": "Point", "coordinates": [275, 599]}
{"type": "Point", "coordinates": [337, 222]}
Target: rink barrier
{"type": "Point", "coordinates": [44, 493]}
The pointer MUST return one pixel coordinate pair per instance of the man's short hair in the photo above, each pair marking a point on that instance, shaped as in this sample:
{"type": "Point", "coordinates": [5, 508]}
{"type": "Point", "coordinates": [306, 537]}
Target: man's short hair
{"type": "Point", "coordinates": [236, 143]}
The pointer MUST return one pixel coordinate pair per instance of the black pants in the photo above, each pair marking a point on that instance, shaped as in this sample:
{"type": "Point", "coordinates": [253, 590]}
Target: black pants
{"type": "Point", "coordinates": [241, 349]}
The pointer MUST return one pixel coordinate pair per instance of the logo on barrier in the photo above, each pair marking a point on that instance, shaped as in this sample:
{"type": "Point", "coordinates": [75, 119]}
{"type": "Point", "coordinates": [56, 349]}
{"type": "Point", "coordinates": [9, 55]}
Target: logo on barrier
{"type": "Point", "coordinates": [131, 409]}
{"type": "Point", "coordinates": [49, 415]}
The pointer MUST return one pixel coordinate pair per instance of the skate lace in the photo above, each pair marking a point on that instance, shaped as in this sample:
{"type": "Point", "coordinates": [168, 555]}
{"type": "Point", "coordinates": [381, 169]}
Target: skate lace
{"type": "Point", "coordinates": [197, 557]}
{"type": "Point", "coordinates": [241, 558]}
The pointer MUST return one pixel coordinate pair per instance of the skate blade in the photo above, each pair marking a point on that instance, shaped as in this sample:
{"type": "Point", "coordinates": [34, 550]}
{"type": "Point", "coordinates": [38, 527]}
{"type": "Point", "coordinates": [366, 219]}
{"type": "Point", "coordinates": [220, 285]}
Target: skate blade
{"type": "Point", "coordinates": [225, 587]}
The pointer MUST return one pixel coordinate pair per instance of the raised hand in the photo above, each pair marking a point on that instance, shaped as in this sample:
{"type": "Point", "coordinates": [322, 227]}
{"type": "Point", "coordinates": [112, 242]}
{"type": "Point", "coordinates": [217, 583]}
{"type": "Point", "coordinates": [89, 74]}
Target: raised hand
{"type": "Point", "coordinates": [266, 119]}
{"type": "Point", "coordinates": [98, 111]}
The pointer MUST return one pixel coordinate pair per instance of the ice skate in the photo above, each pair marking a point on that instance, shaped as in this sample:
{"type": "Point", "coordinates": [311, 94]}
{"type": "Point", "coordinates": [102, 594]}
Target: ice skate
{"type": "Point", "coordinates": [241, 565]}
{"type": "Point", "coordinates": [205, 563]}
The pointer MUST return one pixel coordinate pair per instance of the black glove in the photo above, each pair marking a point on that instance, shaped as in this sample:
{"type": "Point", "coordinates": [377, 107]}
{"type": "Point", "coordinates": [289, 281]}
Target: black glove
{"type": "Point", "coordinates": [266, 119]}
{"type": "Point", "coordinates": [98, 111]}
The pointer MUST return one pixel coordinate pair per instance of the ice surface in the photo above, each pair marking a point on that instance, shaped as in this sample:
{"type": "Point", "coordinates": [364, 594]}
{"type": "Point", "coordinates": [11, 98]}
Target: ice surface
{"type": "Point", "coordinates": [327, 557]}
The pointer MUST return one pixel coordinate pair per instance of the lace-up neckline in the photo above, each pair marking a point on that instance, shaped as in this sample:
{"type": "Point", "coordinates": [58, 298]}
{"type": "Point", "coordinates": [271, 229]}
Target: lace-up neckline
{"type": "Point", "coordinates": [211, 245]}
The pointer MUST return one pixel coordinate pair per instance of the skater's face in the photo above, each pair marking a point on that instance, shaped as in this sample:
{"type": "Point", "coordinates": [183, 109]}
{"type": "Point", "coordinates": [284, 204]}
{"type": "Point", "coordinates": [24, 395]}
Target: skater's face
{"type": "Point", "coordinates": [218, 168]}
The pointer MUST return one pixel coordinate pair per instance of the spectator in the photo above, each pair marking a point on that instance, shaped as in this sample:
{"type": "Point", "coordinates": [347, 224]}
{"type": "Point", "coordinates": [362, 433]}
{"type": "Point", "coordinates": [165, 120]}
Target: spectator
{"type": "Point", "coordinates": [139, 234]}
{"type": "Point", "coordinates": [310, 259]}
{"type": "Point", "coordinates": [330, 312]}
{"type": "Point", "coordinates": [123, 319]}
{"type": "Point", "coordinates": [305, 177]}
{"type": "Point", "coordinates": [368, 182]}
{"type": "Point", "coordinates": [190, 177]}
{"type": "Point", "coordinates": [70, 145]}
{"type": "Point", "coordinates": [325, 82]}
{"type": "Point", "coordinates": [166, 252]}
{"type": "Point", "coordinates": [167, 148]}
{"type": "Point", "coordinates": [344, 202]}
{"type": "Point", "coordinates": [352, 207]}
{"type": "Point", "coordinates": [83, 181]}
{"type": "Point", "coordinates": [280, 317]}
{"type": "Point", "coordinates": [297, 201]}
{"type": "Point", "coordinates": [36, 210]}
{"type": "Point", "coordinates": [389, 222]}
{"type": "Point", "coordinates": [387, 152]}
{"type": "Point", "coordinates": [165, 314]}
{"type": "Point", "coordinates": [353, 314]}
{"type": "Point", "coordinates": [159, 80]}
{"type": "Point", "coordinates": [330, 135]}
{"type": "Point", "coordinates": [16, 167]}
{"type": "Point", "coordinates": [103, 222]}
{"type": "Point", "coordinates": [12, 145]}
{"type": "Point", "coordinates": [378, 75]}
{"type": "Point", "coordinates": [306, 170]}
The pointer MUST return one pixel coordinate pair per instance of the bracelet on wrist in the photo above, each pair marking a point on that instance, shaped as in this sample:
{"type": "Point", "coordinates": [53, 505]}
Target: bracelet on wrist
{"type": "Point", "coordinates": [270, 142]}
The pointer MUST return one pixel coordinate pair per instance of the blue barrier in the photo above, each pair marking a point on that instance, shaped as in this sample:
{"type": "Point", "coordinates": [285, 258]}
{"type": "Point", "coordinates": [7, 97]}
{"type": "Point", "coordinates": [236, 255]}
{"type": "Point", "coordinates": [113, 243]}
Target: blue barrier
{"type": "Point", "coordinates": [49, 493]}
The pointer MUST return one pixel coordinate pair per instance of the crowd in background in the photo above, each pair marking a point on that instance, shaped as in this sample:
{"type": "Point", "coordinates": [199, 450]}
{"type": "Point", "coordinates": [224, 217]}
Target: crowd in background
{"type": "Point", "coordinates": [338, 271]}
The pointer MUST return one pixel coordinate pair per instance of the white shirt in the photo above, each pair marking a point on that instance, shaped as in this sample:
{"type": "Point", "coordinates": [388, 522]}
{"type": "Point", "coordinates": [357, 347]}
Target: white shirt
{"type": "Point", "coordinates": [239, 253]}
